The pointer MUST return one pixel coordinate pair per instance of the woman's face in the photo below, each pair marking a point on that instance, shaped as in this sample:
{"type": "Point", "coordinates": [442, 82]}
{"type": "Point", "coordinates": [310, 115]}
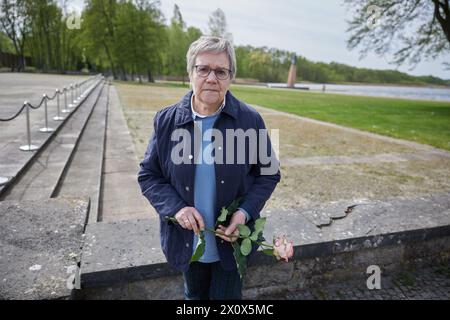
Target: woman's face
{"type": "Point", "coordinates": [210, 91]}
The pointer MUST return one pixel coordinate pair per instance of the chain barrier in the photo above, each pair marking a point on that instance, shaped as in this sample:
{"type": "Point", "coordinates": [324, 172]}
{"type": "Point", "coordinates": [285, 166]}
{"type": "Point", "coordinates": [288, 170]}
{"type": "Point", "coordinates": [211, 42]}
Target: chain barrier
{"type": "Point", "coordinates": [74, 102]}
{"type": "Point", "coordinates": [82, 90]}
{"type": "Point", "coordinates": [45, 98]}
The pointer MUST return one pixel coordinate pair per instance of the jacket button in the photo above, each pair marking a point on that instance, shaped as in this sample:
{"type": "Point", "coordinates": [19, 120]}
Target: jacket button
{"type": "Point", "coordinates": [187, 188]}
{"type": "Point", "coordinates": [220, 148]}
{"type": "Point", "coordinates": [190, 156]}
{"type": "Point", "coordinates": [221, 241]}
{"type": "Point", "coordinates": [187, 245]}
{"type": "Point", "coordinates": [222, 182]}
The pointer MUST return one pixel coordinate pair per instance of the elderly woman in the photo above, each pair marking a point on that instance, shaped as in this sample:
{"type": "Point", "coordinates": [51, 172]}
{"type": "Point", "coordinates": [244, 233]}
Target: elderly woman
{"type": "Point", "coordinates": [193, 167]}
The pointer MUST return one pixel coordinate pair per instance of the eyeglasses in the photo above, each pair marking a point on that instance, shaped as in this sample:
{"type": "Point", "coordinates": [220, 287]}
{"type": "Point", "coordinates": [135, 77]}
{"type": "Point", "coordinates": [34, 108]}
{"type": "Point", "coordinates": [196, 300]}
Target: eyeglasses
{"type": "Point", "coordinates": [220, 73]}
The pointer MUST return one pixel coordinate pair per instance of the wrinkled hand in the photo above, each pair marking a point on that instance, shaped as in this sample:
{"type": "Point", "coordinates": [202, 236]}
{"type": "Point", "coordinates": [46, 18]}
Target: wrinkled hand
{"type": "Point", "coordinates": [237, 218]}
{"type": "Point", "coordinates": [189, 218]}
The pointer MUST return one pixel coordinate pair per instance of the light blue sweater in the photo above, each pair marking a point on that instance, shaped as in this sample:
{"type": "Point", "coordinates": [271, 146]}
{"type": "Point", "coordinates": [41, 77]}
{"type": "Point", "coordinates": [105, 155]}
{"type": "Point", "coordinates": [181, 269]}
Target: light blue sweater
{"type": "Point", "coordinates": [205, 188]}
{"type": "Point", "coordinates": [205, 191]}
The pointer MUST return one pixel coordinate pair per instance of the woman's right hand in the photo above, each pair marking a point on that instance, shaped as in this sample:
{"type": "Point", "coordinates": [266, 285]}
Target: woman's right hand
{"type": "Point", "coordinates": [189, 218]}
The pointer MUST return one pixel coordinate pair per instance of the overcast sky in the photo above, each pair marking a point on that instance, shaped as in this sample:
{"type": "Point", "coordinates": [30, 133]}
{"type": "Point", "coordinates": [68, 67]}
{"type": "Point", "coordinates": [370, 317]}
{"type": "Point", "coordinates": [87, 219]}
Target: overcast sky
{"type": "Point", "coordinates": [313, 29]}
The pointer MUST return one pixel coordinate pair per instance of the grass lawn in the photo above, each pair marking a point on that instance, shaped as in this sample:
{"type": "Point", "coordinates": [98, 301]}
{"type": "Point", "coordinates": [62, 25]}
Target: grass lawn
{"type": "Point", "coordinates": [422, 121]}
{"type": "Point", "coordinates": [425, 122]}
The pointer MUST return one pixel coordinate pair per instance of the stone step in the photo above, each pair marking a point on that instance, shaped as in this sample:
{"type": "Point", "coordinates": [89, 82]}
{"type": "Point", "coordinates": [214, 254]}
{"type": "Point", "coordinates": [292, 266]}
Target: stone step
{"type": "Point", "coordinates": [83, 177]}
{"type": "Point", "coordinates": [121, 195]}
{"type": "Point", "coordinates": [123, 259]}
{"type": "Point", "coordinates": [42, 176]}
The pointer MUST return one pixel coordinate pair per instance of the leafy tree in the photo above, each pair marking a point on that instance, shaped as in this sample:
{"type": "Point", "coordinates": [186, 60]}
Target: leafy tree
{"type": "Point", "coordinates": [193, 34]}
{"type": "Point", "coordinates": [99, 32]}
{"type": "Point", "coordinates": [14, 22]}
{"type": "Point", "coordinates": [6, 43]}
{"type": "Point", "coordinates": [136, 46]}
{"type": "Point", "coordinates": [179, 39]}
{"type": "Point", "coordinates": [177, 43]}
{"type": "Point", "coordinates": [411, 29]}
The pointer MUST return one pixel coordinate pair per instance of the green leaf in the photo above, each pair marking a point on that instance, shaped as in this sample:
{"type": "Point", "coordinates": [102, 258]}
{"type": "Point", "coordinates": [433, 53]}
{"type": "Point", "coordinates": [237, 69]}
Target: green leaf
{"type": "Point", "coordinates": [269, 252]}
{"type": "Point", "coordinates": [243, 230]}
{"type": "Point", "coordinates": [223, 215]}
{"type": "Point", "coordinates": [259, 228]}
{"type": "Point", "coordinates": [254, 236]}
{"type": "Point", "coordinates": [200, 249]}
{"type": "Point", "coordinates": [233, 206]}
{"type": "Point", "coordinates": [228, 211]}
{"type": "Point", "coordinates": [246, 247]}
{"type": "Point", "coordinates": [259, 224]}
{"type": "Point", "coordinates": [241, 261]}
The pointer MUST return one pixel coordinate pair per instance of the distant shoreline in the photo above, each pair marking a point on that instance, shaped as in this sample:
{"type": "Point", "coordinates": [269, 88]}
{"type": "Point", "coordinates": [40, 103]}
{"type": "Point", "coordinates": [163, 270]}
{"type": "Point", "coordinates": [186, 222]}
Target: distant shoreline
{"type": "Point", "coordinates": [425, 85]}
{"type": "Point", "coordinates": [383, 84]}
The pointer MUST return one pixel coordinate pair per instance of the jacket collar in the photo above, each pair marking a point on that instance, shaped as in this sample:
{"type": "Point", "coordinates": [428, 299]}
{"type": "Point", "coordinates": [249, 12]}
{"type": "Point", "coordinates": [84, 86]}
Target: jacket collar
{"type": "Point", "coordinates": [184, 112]}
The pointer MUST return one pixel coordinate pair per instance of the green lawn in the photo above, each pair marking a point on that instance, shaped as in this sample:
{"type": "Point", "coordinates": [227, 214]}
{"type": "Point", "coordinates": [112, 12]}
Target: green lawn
{"type": "Point", "coordinates": [422, 121]}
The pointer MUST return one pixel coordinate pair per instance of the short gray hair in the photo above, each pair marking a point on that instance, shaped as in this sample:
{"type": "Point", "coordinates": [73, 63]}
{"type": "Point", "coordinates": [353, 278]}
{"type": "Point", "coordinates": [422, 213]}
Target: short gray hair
{"type": "Point", "coordinates": [208, 44]}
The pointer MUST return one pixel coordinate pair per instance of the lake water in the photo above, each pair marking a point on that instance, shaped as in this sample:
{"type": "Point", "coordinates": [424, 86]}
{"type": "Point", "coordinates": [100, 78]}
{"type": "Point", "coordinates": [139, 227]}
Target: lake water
{"type": "Point", "coordinates": [419, 93]}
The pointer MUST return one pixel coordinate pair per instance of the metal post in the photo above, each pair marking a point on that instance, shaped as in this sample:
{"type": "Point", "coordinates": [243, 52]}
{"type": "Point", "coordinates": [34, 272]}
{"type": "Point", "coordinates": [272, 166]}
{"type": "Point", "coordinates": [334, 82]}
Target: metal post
{"type": "Point", "coordinates": [46, 128]}
{"type": "Point", "coordinates": [79, 93]}
{"type": "Point", "coordinates": [73, 95]}
{"type": "Point", "coordinates": [71, 104]}
{"type": "Point", "coordinates": [77, 98]}
{"type": "Point", "coordinates": [65, 110]}
{"type": "Point", "coordinates": [28, 147]}
{"type": "Point", "coordinates": [58, 117]}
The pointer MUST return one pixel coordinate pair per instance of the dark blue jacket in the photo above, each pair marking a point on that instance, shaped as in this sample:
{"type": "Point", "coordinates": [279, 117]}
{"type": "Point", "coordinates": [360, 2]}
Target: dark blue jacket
{"type": "Point", "coordinates": [170, 187]}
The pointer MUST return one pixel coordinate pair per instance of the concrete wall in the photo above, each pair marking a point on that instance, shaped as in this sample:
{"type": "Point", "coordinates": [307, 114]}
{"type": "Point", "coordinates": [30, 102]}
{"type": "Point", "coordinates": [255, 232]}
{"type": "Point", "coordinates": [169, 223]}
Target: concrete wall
{"type": "Point", "coordinates": [300, 274]}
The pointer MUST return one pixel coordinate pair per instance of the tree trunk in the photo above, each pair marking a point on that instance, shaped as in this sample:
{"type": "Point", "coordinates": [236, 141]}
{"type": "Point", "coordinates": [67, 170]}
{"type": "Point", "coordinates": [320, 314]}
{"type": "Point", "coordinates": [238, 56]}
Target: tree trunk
{"type": "Point", "coordinates": [150, 76]}
{"type": "Point", "coordinates": [108, 54]}
{"type": "Point", "coordinates": [443, 21]}
{"type": "Point", "coordinates": [124, 73]}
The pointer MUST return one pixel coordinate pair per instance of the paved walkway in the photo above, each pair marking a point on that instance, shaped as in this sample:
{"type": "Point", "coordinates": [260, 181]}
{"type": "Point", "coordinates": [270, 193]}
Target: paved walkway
{"type": "Point", "coordinates": [121, 197]}
{"type": "Point", "coordinates": [425, 283]}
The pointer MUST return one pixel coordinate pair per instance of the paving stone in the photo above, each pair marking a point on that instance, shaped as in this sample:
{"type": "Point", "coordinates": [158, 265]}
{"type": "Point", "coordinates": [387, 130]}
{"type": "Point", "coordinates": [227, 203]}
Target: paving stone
{"type": "Point", "coordinates": [437, 289]}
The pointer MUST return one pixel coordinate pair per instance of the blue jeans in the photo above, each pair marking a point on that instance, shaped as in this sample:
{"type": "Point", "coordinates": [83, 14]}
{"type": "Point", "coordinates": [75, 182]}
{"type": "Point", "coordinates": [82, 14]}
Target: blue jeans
{"type": "Point", "coordinates": [209, 281]}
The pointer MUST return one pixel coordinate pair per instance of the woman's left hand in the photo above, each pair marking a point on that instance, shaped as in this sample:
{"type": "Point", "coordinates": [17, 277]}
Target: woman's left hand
{"type": "Point", "coordinates": [237, 218]}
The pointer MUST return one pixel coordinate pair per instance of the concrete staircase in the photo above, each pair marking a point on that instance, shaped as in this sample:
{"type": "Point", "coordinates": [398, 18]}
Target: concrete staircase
{"type": "Point", "coordinates": [70, 163]}
{"type": "Point", "coordinates": [42, 232]}
{"type": "Point", "coordinates": [58, 190]}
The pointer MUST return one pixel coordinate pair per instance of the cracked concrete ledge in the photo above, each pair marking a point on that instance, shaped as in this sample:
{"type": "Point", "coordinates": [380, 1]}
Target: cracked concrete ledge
{"type": "Point", "coordinates": [40, 247]}
{"type": "Point", "coordinates": [128, 252]}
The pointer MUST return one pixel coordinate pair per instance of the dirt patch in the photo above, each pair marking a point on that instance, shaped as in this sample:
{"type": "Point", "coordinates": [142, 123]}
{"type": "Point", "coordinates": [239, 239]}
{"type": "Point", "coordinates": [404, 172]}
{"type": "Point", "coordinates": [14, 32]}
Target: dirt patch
{"type": "Point", "coordinates": [140, 103]}
{"type": "Point", "coordinates": [303, 139]}
{"type": "Point", "coordinates": [303, 186]}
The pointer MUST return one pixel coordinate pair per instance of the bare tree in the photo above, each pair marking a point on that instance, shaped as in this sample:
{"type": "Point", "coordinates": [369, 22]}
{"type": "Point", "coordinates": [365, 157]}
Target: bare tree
{"type": "Point", "coordinates": [218, 25]}
{"type": "Point", "coordinates": [410, 29]}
